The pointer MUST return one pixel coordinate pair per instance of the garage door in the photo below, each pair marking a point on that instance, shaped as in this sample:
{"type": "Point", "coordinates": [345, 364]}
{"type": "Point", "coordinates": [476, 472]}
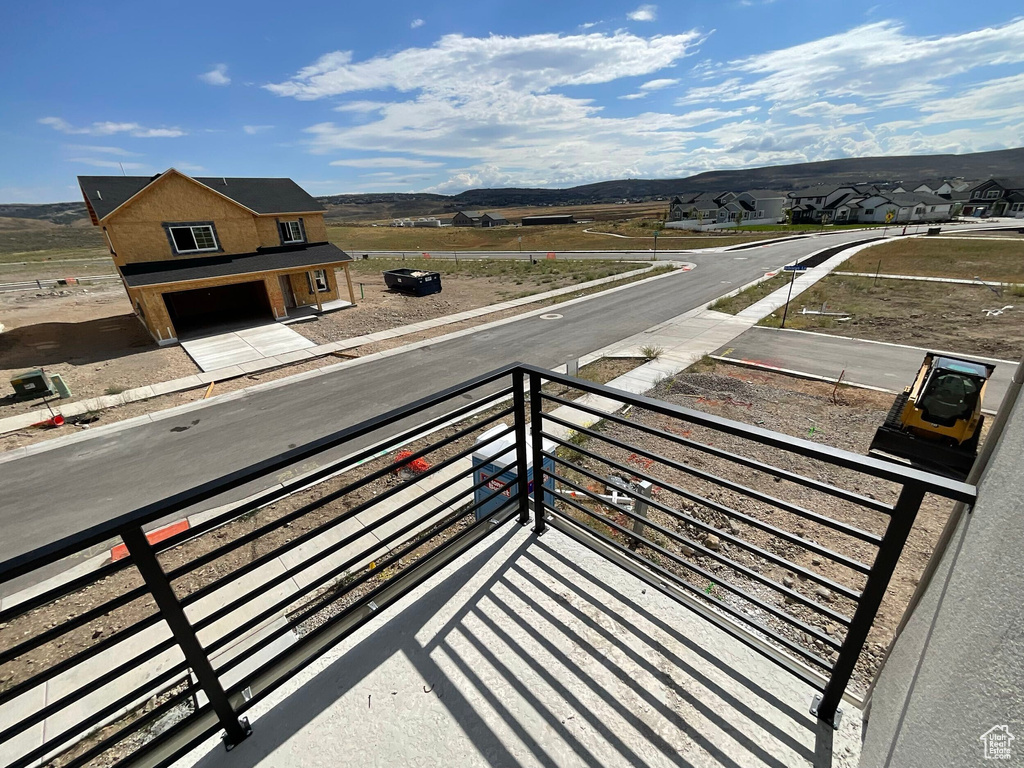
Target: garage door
{"type": "Point", "coordinates": [207, 309]}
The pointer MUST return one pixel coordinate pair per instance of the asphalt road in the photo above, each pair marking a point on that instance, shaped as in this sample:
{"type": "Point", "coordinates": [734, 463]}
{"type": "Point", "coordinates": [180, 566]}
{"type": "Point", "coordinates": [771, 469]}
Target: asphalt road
{"type": "Point", "coordinates": [52, 494]}
{"type": "Point", "coordinates": [888, 366]}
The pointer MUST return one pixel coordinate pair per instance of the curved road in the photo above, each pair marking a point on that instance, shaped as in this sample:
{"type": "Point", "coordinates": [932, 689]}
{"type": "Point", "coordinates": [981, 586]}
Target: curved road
{"type": "Point", "coordinates": [52, 494]}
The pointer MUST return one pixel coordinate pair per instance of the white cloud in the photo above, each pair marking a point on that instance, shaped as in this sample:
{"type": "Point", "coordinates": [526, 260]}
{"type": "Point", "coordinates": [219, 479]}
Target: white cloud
{"type": "Point", "coordinates": [643, 13]}
{"type": "Point", "coordinates": [416, 23]}
{"type": "Point", "coordinates": [520, 111]}
{"type": "Point", "coordinates": [456, 65]}
{"type": "Point", "coordinates": [386, 162]}
{"type": "Point", "coordinates": [216, 76]}
{"type": "Point", "coordinates": [876, 63]}
{"type": "Point", "coordinates": [113, 164]}
{"type": "Point", "coordinates": [188, 167]}
{"type": "Point", "coordinates": [252, 130]}
{"type": "Point", "coordinates": [656, 85]}
{"type": "Point", "coordinates": [110, 128]}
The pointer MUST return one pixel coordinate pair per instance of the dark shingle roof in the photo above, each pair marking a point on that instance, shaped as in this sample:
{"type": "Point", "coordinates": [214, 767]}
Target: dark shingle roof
{"type": "Point", "coordinates": [917, 198]}
{"type": "Point", "coordinates": [107, 193]}
{"type": "Point", "coordinates": [471, 214]}
{"type": "Point", "coordinates": [176, 270]}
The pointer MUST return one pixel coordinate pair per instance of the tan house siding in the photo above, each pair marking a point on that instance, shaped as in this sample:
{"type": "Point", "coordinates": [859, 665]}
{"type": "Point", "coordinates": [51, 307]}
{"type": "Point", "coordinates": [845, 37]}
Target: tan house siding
{"type": "Point", "coordinates": [303, 296]}
{"type": "Point", "coordinates": [137, 232]}
{"type": "Point", "coordinates": [312, 223]}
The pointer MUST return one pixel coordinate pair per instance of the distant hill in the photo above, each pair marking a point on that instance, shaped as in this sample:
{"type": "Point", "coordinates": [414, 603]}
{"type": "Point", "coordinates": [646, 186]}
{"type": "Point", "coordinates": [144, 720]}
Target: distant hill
{"type": "Point", "coordinates": [377, 206]}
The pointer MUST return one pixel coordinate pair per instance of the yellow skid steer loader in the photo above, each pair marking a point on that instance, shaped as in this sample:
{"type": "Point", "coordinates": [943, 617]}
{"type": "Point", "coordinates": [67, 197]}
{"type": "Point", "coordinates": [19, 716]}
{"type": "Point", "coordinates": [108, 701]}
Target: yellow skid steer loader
{"type": "Point", "coordinates": [935, 424]}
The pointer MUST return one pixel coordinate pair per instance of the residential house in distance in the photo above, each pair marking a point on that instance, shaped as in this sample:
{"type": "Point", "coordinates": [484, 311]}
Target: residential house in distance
{"type": "Point", "coordinates": [493, 220]}
{"type": "Point", "coordinates": [866, 204]}
{"type": "Point", "coordinates": [720, 210]}
{"type": "Point", "coordinates": [942, 187]}
{"type": "Point", "coordinates": [195, 253]}
{"type": "Point", "coordinates": [996, 197]}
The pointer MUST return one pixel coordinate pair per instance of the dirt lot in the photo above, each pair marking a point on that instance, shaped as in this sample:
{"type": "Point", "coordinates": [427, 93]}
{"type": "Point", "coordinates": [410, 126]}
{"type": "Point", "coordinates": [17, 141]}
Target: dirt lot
{"type": "Point", "coordinates": [800, 408]}
{"type": "Point", "coordinates": [941, 257]}
{"type": "Point", "coordinates": [637, 236]}
{"type": "Point", "coordinates": [941, 315]}
{"type": "Point", "coordinates": [90, 336]}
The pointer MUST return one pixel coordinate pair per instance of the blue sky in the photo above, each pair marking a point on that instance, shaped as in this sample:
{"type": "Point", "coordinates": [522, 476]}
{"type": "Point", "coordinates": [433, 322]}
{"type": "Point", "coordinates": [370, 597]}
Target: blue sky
{"type": "Point", "coordinates": [445, 96]}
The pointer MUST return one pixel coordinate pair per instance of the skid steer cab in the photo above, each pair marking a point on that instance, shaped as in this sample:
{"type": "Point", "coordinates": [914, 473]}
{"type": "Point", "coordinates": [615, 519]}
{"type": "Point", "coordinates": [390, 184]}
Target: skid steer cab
{"type": "Point", "coordinates": [935, 424]}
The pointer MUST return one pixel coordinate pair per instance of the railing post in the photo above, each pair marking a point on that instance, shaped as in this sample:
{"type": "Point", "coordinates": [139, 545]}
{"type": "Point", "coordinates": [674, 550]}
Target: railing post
{"type": "Point", "coordinates": [889, 551]}
{"type": "Point", "coordinates": [522, 449]}
{"type": "Point", "coordinates": [170, 609]}
{"type": "Point", "coordinates": [537, 438]}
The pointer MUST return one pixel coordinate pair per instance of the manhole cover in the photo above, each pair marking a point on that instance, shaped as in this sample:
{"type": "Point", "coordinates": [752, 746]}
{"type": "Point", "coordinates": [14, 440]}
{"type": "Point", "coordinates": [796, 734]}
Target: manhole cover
{"type": "Point", "coordinates": [551, 316]}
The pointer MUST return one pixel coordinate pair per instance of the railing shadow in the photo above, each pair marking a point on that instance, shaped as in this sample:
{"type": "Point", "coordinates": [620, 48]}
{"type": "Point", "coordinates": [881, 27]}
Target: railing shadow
{"type": "Point", "coordinates": [541, 662]}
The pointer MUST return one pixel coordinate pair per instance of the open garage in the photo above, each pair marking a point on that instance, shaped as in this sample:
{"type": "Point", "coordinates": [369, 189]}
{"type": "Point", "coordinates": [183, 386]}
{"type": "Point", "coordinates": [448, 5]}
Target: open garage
{"type": "Point", "coordinates": [206, 309]}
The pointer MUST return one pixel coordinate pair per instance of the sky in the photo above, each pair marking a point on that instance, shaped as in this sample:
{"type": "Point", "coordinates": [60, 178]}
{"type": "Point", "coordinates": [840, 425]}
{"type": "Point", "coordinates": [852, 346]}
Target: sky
{"type": "Point", "coordinates": [441, 97]}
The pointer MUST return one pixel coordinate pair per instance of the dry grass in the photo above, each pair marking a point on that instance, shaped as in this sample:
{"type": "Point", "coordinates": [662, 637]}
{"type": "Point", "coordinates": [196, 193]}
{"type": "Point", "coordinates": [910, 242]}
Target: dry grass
{"type": "Point", "coordinates": [935, 257]}
{"type": "Point", "coordinates": [941, 315]}
{"type": "Point", "coordinates": [446, 240]}
{"type": "Point", "coordinates": [734, 304]}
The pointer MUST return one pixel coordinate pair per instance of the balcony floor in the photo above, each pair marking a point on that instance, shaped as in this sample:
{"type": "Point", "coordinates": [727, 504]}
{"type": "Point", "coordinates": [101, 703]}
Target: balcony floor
{"type": "Point", "coordinates": [537, 654]}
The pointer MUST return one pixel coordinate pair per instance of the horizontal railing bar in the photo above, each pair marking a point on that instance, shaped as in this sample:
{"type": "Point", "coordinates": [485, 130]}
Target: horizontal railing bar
{"type": "Point", "coordinates": [269, 676]}
{"type": "Point", "coordinates": [109, 569]}
{"type": "Point", "coordinates": [344, 517]}
{"type": "Point", "coordinates": [91, 685]}
{"type": "Point", "coordinates": [70, 624]}
{"type": "Point", "coordinates": [675, 579]}
{"type": "Point", "coordinates": [665, 582]}
{"type": "Point", "coordinates": [932, 483]}
{"type": "Point", "coordinates": [767, 527]}
{"type": "Point", "coordinates": [312, 608]}
{"type": "Point", "coordinates": [65, 664]}
{"type": "Point", "coordinates": [140, 722]}
{"type": "Point", "coordinates": [331, 574]}
{"type": "Point", "coordinates": [707, 551]}
{"type": "Point", "coordinates": [795, 509]}
{"type": "Point", "coordinates": [737, 458]}
{"type": "Point", "coordinates": [768, 607]}
{"type": "Point", "coordinates": [100, 532]}
{"type": "Point", "coordinates": [317, 504]}
{"type": "Point", "coordinates": [95, 717]}
{"type": "Point", "coordinates": [344, 465]}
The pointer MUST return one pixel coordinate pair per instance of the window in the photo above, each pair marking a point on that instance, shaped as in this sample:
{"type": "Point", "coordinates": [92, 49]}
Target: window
{"type": "Point", "coordinates": [319, 277]}
{"type": "Point", "coordinates": [869, 211]}
{"type": "Point", "coordinates": [932, 209]}
{"type": "Point", "coordinates": [760, 214]}
{"type": "Point", "coordinates": [196, 237]}
{"type": "Point", "coordinates": [291, 232]}
{"type": "Point", "coordinates": [992, 194]}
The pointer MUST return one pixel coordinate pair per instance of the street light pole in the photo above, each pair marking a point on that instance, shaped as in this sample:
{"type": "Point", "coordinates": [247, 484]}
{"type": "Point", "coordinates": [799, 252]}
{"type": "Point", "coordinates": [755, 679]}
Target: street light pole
{"type": "Point", "coordinates": [655, 245]}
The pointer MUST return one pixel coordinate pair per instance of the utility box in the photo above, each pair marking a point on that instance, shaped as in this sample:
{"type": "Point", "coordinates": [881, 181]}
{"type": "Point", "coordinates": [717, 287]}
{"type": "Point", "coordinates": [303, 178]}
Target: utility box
{"type": "Point", "coordinates": [490, 462]}
{"type": "Point", "coordinates": [33, 384]}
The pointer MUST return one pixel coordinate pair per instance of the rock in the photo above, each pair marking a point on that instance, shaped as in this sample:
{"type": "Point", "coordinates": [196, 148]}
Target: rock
{"type": "Point", "coordinates": [823, 593]}
{"type": "Point", "coordinates": [712, 542]}
{"type": "Point", "coordinates": [787, 581]}
{"type": "Point", "coordinates": [815, 561]}
{"type": "Point", "coordinates": [687, 551]}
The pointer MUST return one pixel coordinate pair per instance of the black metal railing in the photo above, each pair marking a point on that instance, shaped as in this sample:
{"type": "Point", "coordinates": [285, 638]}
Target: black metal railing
{"type": "Point", "coordinates": [189, 632]}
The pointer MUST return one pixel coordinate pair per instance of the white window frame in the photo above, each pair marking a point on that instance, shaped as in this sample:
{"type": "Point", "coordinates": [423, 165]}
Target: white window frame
{"type": "Point", "coordinates": [293, 227]}
{"type": "Point", "coordinates": [991, 194]}
{"type": "Point", "coordinates": [192, 229]}
{"type": "Point", "coordinates": [319, 276]}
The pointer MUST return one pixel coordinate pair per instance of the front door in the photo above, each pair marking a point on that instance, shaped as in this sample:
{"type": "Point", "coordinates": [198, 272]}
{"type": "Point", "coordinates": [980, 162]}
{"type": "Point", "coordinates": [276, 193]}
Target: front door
{"type": "Point", "coordinates": [286, 291]}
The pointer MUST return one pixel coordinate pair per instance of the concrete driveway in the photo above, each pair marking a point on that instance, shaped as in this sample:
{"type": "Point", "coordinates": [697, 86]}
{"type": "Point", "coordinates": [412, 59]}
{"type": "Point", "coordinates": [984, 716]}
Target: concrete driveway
{"type": "Point", "coordinates": [244, 345]}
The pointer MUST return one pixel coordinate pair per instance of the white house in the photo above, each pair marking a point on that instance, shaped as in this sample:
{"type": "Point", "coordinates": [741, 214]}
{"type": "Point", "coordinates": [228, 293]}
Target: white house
{"type": "Point", "coordinates": [721, 210]}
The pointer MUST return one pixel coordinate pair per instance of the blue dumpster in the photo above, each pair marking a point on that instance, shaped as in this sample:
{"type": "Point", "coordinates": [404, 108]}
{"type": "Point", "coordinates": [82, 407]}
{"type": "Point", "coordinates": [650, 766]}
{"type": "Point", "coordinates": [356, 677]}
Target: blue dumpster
{"type": "Point", "coordinates": [489, 463]}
